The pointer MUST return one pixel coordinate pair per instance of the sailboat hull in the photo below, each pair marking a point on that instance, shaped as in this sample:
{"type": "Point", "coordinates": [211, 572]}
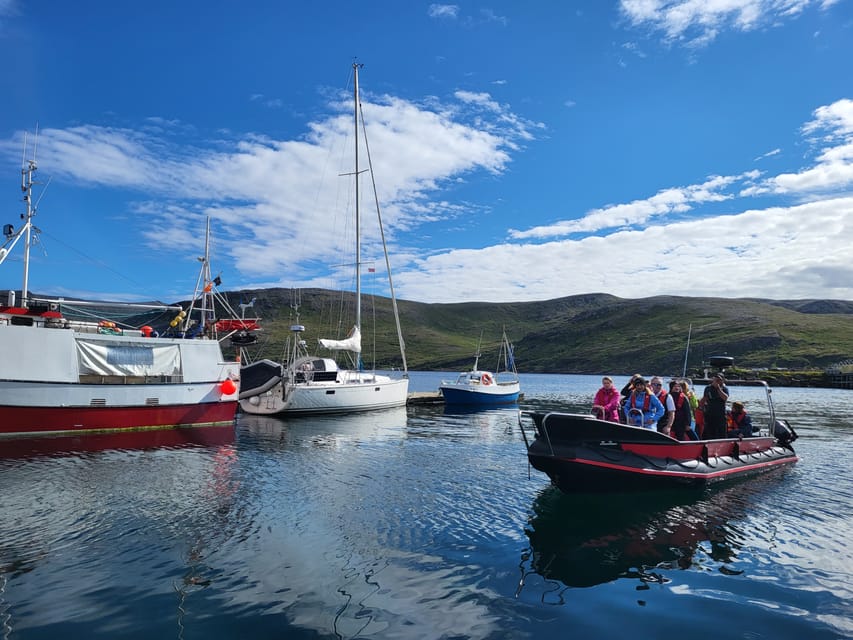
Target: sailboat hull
{"type": "Point", "coordinates": [366, 393]}
{"type": "Point", "coordinates": [479, 395]}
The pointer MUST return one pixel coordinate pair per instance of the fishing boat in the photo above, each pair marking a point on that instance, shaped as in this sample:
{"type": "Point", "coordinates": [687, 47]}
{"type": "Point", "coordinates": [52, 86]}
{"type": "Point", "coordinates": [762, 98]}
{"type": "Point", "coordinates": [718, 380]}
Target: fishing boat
{"type": "Point", "coordinates": [479, 387]}
{"type": "Point", "coordinates": [581, 453]}
{"type": "Point", "coordinates": [75, 367]}
{"type": "Point", "coordinates": [306, 383]}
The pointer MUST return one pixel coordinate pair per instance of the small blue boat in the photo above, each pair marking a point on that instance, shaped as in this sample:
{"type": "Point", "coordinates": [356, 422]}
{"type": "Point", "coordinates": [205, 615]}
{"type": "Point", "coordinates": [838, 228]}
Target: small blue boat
{"type": "Point", "coordinates": [479, 387]}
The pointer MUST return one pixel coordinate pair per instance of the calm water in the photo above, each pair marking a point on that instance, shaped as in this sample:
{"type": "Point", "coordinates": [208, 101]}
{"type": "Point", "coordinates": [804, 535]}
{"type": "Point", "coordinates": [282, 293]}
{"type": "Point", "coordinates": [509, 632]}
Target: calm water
{"type": "Point", "coordinates": [416, 523]}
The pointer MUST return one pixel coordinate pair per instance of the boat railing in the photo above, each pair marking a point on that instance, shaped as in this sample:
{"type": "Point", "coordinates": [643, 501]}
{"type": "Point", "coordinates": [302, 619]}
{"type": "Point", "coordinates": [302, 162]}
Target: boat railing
{"type": "Point", "coordinates": [635, 414]}
{"type": "Point", "coordinates": [94, 378]}
{"type": "Point", "coordinates": [540, 429]}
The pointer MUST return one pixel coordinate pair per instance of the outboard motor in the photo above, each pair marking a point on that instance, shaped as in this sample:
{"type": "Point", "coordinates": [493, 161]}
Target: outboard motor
{"type": "Point", "coordinates": [784, 432]}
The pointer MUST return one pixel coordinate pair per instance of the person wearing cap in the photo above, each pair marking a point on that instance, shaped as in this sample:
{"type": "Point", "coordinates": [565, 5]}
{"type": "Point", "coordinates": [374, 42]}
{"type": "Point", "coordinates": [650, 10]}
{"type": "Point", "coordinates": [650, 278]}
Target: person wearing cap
{"type": "Point", "coordinates": [625, 394]}
{"type": "Point", "coordinates": [715, 396]}
{"type": "Point", "coordinates": [642, 408]}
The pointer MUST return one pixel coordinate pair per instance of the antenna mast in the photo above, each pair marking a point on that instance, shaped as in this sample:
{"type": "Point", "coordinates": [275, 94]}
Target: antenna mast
{"type": "Point", "coordinates": [27, 170]}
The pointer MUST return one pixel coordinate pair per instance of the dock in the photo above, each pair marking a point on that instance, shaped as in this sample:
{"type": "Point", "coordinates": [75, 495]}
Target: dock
{"type": "Point", "coordinates": [435, 397]}
{"type": "Point", "coordinates": [424, 397]}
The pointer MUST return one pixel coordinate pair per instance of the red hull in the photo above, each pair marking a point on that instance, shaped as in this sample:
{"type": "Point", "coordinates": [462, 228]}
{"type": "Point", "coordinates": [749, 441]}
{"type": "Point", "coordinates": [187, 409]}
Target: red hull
{"type": "Point", "coordinates": [44, 420]}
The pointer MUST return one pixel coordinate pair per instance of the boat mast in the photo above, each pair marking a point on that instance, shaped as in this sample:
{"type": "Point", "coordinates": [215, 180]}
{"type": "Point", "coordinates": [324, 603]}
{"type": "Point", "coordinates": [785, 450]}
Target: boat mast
{"type": "Point", "coordinates": [686, 351]}
{"type": "Point", "coordinates": [27, 183]}
{"type": "Point", "coordinates": [207, 296]}
{"type": "Point", "coordinates": [355, 68]}
{"type": "Point", "coordinates": [385, 251]}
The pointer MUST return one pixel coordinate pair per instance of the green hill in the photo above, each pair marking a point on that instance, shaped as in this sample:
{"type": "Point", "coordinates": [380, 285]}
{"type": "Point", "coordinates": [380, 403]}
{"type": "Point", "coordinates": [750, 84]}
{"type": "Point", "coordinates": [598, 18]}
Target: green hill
{"type": "Point", "coordinates": [592, 333]}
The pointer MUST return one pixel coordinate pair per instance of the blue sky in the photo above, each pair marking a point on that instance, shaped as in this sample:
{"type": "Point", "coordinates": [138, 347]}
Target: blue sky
{"type": "Point", "coordinates": [522, 151]}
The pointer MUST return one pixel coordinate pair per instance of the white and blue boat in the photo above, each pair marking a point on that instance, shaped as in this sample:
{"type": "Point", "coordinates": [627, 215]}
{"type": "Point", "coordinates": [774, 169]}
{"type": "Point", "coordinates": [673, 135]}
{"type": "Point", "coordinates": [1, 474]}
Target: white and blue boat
{"type": "Point", "coordinates": [479, 387]}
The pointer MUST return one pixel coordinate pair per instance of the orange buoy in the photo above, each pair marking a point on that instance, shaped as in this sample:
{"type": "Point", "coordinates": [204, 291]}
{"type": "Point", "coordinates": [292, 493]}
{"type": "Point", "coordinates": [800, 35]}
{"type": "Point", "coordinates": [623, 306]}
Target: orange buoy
{"type": "Point", "coordinates": [227, 387]}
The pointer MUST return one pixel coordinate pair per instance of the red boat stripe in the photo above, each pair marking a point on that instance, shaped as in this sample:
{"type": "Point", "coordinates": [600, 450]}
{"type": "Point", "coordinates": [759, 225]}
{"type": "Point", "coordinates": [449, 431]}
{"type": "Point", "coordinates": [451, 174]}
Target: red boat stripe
{"type": "Point", "coordinates": [682, 474]}
{"type": "Point", "coordinates": [19, 421]}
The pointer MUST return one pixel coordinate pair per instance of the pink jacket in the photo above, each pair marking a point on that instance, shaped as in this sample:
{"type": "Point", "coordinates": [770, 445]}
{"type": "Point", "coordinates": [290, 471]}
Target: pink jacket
{"type": "Point", "coordinates": [609, 399]}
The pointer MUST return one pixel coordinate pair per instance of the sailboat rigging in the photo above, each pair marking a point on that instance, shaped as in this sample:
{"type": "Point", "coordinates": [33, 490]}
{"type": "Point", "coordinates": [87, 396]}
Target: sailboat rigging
{"type": "Point", "coordinates": [310, 384]}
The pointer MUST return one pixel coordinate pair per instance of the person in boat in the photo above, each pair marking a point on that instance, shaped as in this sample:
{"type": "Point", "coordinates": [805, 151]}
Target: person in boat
{"type": "Point", "coordinates": [715, 396]}
{"type": "Point", "coordinates": [740, 422]}
{"type": "Point", "coordinates": [691, 396]}
{"type": "Point", "coordinates": [625, 394]}
{"type": "Point", "coordinates": [642, 407]}
{"type": "Point", "coordinates": [665, 423]}
{"type": "Point", "coordinates": [699, 416]}
{"type": "Point", "coordinates": [682, 417]}
{"type": "Point", "coordinates": [605, 405]}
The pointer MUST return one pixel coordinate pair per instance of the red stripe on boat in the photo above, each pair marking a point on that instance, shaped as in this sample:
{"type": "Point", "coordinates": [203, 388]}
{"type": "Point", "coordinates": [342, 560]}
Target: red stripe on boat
{"type": "Point", "coordinates": [36, 420]}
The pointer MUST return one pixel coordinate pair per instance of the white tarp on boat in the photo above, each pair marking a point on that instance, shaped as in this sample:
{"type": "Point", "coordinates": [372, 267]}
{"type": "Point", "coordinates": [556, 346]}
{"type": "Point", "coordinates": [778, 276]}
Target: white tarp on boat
{"type": "Point", "coordinates": [110, 359]}
{"type": "Point", "coordinates": [351, 343]}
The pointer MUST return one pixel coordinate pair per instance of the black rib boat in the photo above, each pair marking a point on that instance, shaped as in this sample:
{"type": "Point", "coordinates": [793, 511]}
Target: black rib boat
{"type": "Point", "coordinates": [581, 453]}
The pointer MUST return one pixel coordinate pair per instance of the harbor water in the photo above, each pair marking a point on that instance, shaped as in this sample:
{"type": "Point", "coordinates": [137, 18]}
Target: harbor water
{"type": "Point", "coordinates": [420, 522]}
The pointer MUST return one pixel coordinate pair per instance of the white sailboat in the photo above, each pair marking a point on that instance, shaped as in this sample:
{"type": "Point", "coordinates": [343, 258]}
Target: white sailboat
{"type": "Point", "coordinates": [311, 384]}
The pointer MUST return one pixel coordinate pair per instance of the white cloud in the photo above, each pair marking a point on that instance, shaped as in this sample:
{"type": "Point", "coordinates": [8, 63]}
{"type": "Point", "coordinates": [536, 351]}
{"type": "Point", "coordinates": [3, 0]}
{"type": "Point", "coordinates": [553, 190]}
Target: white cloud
{"type": "Point", "coordinates": [698, 22]}
{"type": "Point", "coordinates": [783, 252]}
{"type": "Point", "coordinates": [269, 193]}
{"type": "Point", "coordinates": [443, 11]}
{"type": "Point", "coordinates": [798, 251]}
{"type": "Point", "coordinates": [831, 128]}
{"type": "Point", "coordinates": [774, 152]}
{"type": "Point", "coordinates": [490, 16]}
{"type": "Point", "coordinates": [667, 201]}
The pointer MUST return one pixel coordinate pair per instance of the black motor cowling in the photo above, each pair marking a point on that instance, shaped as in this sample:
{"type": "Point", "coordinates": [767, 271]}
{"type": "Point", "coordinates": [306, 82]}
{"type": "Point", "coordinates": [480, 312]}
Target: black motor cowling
{"type": "Point", "coordinates": [784, 432]}
{"type": "Point", "coordinates": [721, 362]}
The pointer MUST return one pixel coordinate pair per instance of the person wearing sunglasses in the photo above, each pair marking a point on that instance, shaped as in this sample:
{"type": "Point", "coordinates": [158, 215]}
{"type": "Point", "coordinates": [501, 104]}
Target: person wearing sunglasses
{"type": "Point", "coordinates": [665, 423]}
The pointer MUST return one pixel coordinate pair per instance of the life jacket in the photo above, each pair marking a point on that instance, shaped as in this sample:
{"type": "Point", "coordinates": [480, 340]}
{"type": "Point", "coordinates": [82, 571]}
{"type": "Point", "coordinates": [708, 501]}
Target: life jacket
{"type": "Point", "coordinates": [737, 419]}
{"type": "Point", "coordinates": [662, 397]}
{"type": "Point", "coordinates": [647, 400]}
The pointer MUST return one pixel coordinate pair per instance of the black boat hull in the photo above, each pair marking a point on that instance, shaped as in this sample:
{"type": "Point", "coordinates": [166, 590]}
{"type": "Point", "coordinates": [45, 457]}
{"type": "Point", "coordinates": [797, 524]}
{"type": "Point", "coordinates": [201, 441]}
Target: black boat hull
{"type": "Point", "coordinates": [580, 453]}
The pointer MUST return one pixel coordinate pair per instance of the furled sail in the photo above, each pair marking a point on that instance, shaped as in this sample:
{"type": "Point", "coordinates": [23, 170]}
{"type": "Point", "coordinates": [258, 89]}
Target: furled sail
{"type": "Point", "coordinates": [351, 343]}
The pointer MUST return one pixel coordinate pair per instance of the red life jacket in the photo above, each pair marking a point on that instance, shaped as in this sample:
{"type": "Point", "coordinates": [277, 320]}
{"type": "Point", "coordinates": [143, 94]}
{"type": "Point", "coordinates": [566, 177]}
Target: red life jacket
{"type": "Point", "coordinates": [646, 401]}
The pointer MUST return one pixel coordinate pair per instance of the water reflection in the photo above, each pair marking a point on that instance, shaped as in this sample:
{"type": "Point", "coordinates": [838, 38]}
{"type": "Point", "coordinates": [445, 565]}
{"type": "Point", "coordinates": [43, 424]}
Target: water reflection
{"type": "Point", "coordinates": [331, 430]}
{"type": "Point", "coordinates": [22, 448]}
{"type": "Point", "coordinates": [582, 541]}
{"type": "Point", "coordinates": [462, 424]}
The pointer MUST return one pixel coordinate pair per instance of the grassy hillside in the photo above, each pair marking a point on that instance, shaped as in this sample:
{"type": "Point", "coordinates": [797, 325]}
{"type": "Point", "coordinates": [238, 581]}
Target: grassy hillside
{"type": "Point", "coordinates": [592, 333]}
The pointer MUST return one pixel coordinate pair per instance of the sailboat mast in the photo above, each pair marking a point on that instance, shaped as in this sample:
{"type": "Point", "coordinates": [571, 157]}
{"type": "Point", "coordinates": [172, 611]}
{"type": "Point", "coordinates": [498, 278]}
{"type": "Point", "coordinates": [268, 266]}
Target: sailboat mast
{"type": "Point", "coordinates": [355, 68]}
{"type": "Point", "coordinates": [686, 351]}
